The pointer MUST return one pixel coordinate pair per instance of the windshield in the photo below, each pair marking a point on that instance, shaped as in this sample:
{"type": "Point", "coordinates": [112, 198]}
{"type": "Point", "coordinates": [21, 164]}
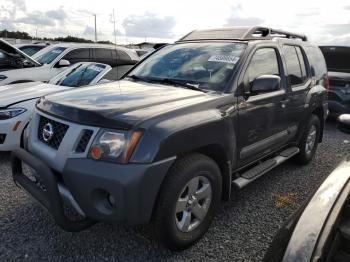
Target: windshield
{"type": "Point", "coordinates": [80, 74]}
{"type": "Point", "coordinates": [31, 50]}
{"type": "Point", "coordinates": [208, 66]}
{"type": "Point", "coordinates": [337, 58]}
{"type": "Point", "coordinates": [46, 57]}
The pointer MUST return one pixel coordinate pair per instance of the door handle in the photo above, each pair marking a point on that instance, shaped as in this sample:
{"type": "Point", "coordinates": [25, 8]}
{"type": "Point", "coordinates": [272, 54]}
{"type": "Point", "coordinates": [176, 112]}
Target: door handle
{"type": "Point", "coordinates": [284, 102]}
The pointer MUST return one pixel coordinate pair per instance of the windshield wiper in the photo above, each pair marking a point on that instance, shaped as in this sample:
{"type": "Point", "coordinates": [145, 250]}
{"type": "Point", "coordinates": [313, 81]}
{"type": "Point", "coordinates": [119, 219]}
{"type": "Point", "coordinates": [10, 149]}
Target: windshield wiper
{"type": "Point", "coordinates": [139, 78]}
{"type": "Point", "coordinates": [179, 83]}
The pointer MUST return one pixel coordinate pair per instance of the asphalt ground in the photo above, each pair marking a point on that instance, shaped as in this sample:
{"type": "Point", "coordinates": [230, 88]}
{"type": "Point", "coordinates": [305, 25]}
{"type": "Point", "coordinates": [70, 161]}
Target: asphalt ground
{"type": "Point", "coordinates": [241, 231]}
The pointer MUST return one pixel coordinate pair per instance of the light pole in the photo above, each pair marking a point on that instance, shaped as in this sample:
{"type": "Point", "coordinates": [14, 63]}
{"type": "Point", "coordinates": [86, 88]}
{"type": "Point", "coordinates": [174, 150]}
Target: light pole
{"type": "Point", "coordinates": [95, 29]}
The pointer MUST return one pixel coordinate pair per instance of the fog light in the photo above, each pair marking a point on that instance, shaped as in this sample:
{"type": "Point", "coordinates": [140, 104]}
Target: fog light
{"type": "Point", "coordinates": [111, 200]}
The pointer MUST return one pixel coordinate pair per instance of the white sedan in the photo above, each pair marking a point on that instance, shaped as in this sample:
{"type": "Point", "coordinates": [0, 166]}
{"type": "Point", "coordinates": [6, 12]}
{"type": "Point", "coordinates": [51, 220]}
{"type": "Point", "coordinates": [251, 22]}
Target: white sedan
{"type": "Point", "coordinates": [17, 101]}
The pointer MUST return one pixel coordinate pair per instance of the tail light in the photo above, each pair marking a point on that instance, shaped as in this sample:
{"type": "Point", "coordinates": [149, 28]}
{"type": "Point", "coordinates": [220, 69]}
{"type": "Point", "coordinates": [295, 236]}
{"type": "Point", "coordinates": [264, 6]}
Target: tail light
{"type": "Point", "coordinates": [326, 83]}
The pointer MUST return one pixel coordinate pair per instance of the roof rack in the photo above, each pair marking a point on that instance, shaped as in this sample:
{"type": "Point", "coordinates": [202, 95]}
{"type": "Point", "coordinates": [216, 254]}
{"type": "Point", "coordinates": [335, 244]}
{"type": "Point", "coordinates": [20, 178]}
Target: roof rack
{"type": "Point", "coordinates": [241, 33]}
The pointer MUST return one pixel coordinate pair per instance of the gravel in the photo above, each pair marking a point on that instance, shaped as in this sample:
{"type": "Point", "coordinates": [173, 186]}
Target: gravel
{"type": "Point", "coordinates": [241, 231]}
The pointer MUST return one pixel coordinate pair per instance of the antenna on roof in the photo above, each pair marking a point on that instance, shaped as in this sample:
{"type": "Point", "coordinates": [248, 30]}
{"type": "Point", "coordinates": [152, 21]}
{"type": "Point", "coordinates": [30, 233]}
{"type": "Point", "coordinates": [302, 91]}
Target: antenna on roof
{"type": "Point", "coordinates": [116, 51]}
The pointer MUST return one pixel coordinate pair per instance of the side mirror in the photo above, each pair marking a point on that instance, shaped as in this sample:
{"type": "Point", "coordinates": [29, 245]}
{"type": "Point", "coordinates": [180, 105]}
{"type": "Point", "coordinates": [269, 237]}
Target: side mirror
{"type": "Point", "coordinates": [63, 63]}
{"type": "Point", "coordinates": [265, 84]}
{"type": "Point", "coordinates": [343, 123]}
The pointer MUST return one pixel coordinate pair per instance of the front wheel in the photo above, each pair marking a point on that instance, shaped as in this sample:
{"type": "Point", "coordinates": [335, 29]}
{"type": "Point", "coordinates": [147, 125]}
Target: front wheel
{"type": "Point", "coordinates": [187, 201]}
{"type": "Point", "coordinates": [309, 141]}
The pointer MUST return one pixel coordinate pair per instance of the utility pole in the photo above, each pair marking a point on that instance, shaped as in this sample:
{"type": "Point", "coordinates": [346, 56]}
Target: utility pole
{"type": "Point", "coordinates": [36, 33]}
{"type": "Point", "coordinates": [95, 29]}
{"type": "Point", "coordinates": [115, 31]}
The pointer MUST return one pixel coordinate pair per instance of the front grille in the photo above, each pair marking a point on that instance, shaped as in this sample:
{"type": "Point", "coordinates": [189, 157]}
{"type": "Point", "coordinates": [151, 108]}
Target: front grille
{"type": "Point", "coordinates": [2, 138]}
{"type": "Point", "coordinates": [59, 131]}
{"type": "Point", "coordinates": [84, 141]}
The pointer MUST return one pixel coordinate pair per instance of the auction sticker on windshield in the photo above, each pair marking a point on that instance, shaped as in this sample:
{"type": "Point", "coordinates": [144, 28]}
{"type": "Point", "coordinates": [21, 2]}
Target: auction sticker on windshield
{"type": "Point", "coordinates": [231, 59]}
{"type": "Point", "coordinates": [96, 68]}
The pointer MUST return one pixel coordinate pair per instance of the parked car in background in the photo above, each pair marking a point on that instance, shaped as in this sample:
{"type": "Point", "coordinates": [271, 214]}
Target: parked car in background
{"type": "Point", "coordinates": [143, 52]}
{"type": "Point", "coordinates": [190, 123]}
{"type": "Point", "coordinates": [53, 59]}
{"type": "Point", "coordinates": [12, 58]}
{"type": "Point", "coordinates": [320, 229]}
{"type": "Point", "coordinates": [17, 101]}
{"type": "Point", "coordinates": [31, 49]}
{"type": "Point", "coordinates": [338, 64]}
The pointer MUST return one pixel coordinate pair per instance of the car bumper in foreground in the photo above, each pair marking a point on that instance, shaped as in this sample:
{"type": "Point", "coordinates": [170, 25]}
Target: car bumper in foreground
{"type": "Point", "coordinates": [99, 191]}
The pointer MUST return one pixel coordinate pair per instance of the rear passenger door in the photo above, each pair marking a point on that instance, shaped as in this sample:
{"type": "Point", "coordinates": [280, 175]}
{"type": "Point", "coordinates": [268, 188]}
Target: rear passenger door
{"type": "Point", "coordinates": [298, 82]}
{"type": "Point", "coordinates": [261, 122]}
{"type": "Point", "coordinates": [78, 55]}
{"type": "Point", "coordinates": [103, 55]}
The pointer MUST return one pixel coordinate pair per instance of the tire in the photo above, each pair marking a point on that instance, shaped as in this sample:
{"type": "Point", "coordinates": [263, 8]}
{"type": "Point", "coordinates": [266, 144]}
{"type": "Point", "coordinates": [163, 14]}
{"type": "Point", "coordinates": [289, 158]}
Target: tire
{"type": "Point", "coordinates": [168, 226]}
{"type": "Point", "coordinates": [305, 155]}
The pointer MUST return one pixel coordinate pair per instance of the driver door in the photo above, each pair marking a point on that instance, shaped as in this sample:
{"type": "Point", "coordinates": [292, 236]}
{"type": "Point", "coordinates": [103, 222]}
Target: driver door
{"type": "Point", "coordinates": [262, 127]}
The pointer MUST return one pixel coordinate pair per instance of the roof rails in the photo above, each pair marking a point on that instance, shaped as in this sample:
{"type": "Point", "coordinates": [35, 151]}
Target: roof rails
{"type": "Point", "coordinates": [241, 33]}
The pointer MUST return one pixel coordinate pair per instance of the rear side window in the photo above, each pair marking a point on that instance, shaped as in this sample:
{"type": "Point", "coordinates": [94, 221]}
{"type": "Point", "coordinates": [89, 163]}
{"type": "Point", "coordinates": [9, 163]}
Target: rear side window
{"type": "Point", "coordinates": [316, 60]}
{"type": "Point", "coordinates": [302, 63]}
{"type": "Point", "coordinates": [295, 70]}
{"type": "Point", "coordinates": [122, 58]}
{"type": "Point", "coordinates": [78, 55]}
{"type": "Point", "coordinates": [103, 55]}
{"type": "Point", "coordinates": [264, 62]}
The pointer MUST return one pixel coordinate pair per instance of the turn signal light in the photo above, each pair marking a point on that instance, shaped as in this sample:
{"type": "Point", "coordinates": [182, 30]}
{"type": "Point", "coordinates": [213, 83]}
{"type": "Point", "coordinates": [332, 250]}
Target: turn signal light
{"type": "Point", "coordinates": [96, 152]}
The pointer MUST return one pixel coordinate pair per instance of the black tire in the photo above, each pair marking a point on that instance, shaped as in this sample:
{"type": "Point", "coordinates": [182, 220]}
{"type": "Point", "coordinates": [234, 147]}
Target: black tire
{"type": "Point", "coordinates": [304, 157]}
{"type": "Point", "coordinates": [164, 222]}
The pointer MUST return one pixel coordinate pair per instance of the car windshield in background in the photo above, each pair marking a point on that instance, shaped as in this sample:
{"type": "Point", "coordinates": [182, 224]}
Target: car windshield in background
{"type": "Point", "coordinates": [31, 50]}
{"type": "Point", "coordinates": [337, 58]}
{"type": "Point", "coordinates": [48, 56]}
{"type": "Point", "coordinates": [79, 75]}
{"type": "Point", "coordinates": [207, 66]}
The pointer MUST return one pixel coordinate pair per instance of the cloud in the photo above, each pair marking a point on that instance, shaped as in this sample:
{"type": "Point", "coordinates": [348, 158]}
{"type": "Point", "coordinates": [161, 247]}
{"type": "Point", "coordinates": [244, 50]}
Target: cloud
{"type": "Point", "coordinates": [237, 18]}
{"type": "Point", "coordinates": [48, 18]}
{"type": "Point", "coordinates": [336, 29]}
{"type": "Point", "coordinates": [36, 18]}
{"type": "Point", "coordinates": [149, 25]}
{"type": "Point", "coordinates": [89, 30]}
{"type": "Point", "coordinates": [8, 12]}
{"type": "Point", "coordinates": [58, 14]}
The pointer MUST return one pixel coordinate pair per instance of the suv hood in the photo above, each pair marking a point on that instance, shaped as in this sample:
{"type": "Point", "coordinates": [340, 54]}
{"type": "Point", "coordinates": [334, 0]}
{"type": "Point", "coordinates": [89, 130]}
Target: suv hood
{"type": "Point", "coordinates": [13, 51]}
{"type": "Point", "coordinates": [118, 104]}
{"type": "Point", "coordinates": [16, 93]}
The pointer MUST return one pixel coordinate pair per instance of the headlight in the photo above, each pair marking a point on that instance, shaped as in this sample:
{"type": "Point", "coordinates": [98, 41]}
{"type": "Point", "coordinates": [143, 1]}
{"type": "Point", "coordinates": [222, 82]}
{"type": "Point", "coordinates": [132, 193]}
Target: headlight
{"type": "Point", "coordinates": [11, 113]}
{"type": "Point", "coordinates": [114, 146]}
{"type": "Point", "coordinates": [2, 77]}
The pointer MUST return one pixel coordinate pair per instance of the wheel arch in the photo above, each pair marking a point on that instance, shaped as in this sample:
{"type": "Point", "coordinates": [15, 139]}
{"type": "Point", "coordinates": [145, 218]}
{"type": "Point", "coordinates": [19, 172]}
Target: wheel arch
{"type": "Point", "coordinates": [217, 153]}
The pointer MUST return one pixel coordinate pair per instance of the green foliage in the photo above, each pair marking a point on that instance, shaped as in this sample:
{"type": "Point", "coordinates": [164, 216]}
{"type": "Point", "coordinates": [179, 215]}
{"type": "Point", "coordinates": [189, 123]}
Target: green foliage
{"type": "Point", "coordinates": [17, 34]}
{"type": "Point", "coordinates": [25, 35]}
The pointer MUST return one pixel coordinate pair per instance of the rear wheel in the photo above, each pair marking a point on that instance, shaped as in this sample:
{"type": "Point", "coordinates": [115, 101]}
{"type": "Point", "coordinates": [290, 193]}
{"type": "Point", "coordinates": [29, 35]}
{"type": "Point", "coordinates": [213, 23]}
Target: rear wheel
{"type": "Point", "coordinates": [309, 141]}
{"type": "Point", "coordinates": [187, 201]}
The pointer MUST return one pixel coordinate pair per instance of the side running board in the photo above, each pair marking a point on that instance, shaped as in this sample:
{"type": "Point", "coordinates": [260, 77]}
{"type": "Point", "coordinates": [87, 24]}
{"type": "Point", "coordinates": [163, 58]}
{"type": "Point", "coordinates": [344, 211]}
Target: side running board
{"type": "Point", "coordinates": [259, 170]}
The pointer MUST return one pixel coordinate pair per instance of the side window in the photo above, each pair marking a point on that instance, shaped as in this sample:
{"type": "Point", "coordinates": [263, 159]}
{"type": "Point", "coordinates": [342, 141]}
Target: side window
{"type": "Point", "coordinates": [264, 62]}
{"type": "Point", "coordinates": [293, 69]}
{"type": "Point", "coordinates": [102, 55]}
{"type": "Point", "coordinates": [122, 58]}
{"type": "Point", "coordinates": [316, 60]}
{"type": "Point", "coordinates": [78, 55]}
{"type": "Point", "coordinates": [302, 63]}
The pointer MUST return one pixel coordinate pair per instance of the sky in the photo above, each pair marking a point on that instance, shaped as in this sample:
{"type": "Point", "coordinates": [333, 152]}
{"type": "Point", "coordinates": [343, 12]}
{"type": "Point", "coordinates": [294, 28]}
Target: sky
{"type": "Point", "coordinates": [322, 21]}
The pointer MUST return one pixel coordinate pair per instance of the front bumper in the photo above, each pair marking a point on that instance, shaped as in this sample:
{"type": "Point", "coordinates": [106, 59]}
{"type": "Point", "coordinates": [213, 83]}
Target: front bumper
{"type": "Point", "coordinates": [12, 138]}
{"type": "Point", "coordinates": [134, 187]}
